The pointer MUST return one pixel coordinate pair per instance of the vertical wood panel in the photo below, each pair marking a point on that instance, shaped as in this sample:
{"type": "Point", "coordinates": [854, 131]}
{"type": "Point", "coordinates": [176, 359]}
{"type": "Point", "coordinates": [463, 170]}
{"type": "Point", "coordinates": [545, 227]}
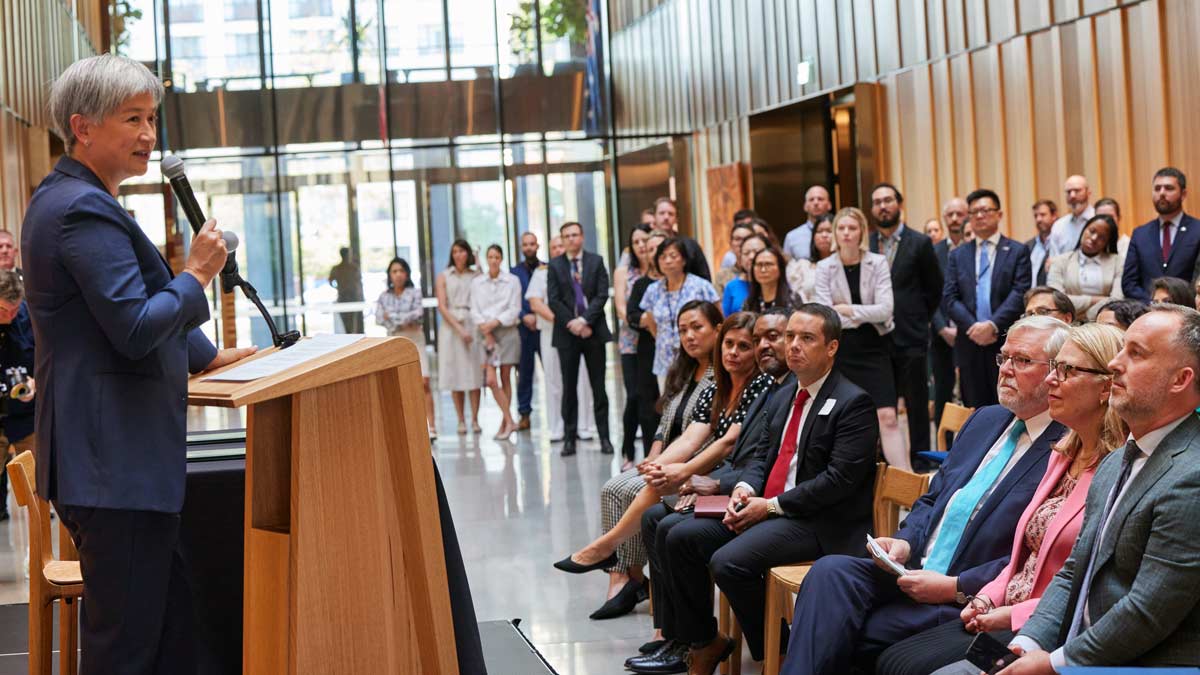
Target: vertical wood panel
{"type": "Point", "coordinates": [919, 154]}
{"type": "Point", "coordinates": [1001, 19]}
{"type": "Point", "coordinates": [964, 123]}
{"type": "Point", "coordinates": [759, 95]}
{"type": "Point", "coordinates": [864, 38]}
{"type": "Point", "coordinates": [1022, 166]}
{"type": "Point", "coordinates": [827, 36]}
{"type": "Point", "coordinates": [1112, 78]}
{"type": "Point", "coordinates": [988, 101]}
{"type": "Point", "coordinates": [1082, 132]}
{"type": "Point", "coordinates": [894, 140]}
{"type": "Point", "coordinates": [847, 49]}
{"type": "Point", "coordinates": [1183, 82]}
{"type": "Point", "coordinates": [1148, 111]}
{"type": "Point", "coordinates": [944, 141]}
{"type": "Point", "coordinates": [887, 35]}
{"type": "Point", "coordinates": [935, 20]}
{"type": "Point", "coordinates": [1032, 14]}
{"type": "Point", "coordinates": [1065, 10]}
{"type": "Point", "coordinates": [770, 41]}
{"type": "Point", "coordinates": [810, 45]}
{"type": "Point", "coordinates": [976, 18]}
{"type": "Point", "coordinates": [956, 25]}
{"type": "Point", "coordinates": [1048, 101]}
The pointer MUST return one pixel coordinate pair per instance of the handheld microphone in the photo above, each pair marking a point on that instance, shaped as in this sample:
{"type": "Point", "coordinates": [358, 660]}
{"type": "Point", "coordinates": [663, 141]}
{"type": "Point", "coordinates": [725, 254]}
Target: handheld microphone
{"type": "Point", "coordinates": [172, 168]}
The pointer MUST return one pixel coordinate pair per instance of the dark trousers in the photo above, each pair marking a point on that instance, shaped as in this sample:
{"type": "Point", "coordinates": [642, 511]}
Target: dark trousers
{"type": "Point", "coordinates": [530, 352]}
{"type": "Point", "coordinates": [941, 356]}
{"type": "Point", "coordinates": [138, 616]}
{"type": "Point", "coordinates": [656, 525]}
{"type": "Point", "coordinates": [978, 371]}
{"type": "Point", "coordinates": [932, 649]}
{"type": "Point", "coordinates": [352, 322]}
{"type": "Point", "coordinates": [738, 564]}
{"type": "Point", "coordinates": [909, 370]}
{"type": "Point", "coordinates": [848, 611]}
{"type": "Point", "coordinates": [594, 355]}
{"type": "Point", "coordinates": [634, 415]}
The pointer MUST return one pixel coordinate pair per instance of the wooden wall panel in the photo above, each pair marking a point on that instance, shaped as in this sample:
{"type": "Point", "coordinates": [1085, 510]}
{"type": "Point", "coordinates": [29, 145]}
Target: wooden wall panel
{"type": "Point", "coordinates": [827, 37]}
{"type": "Point", "coordinates": [887, 35]}
{"type": "Point", "coordinates": [943, 106]}
{"type": "Point", "coordinates": [919, 147]}
{"type": "Point", "coordinates": [1181, 18]}
{"type": "Point", "coordinates": [1001, 19]}
{"type": "Point", "coordinates": [810, 44]}
{"type": "Point", "coordinates": [847, 41]}
{"type": "Point", "coordinates": [1032, 15]}
{"type": "Point", "coordinates": [988, 95]}
{"type": "Point", "coordinates": [964, 123]}
{"type": "Point", "coordinates": [1021, 166]}
{"type": "Point", "coordinates": [956, 25]}
{"type": "Point", "coordinates": [1150, 132]}
{"type": "Point", "coordinates": [935, 28]}
{"type": "Point", "coordinates": [864, 36]}
{"type": "Point", "coordinates": [1112, 94]}
{"type": "Point", "coordinates": [1048, 100]}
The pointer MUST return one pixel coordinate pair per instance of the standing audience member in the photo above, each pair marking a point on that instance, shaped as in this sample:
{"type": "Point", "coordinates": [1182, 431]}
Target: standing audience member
{"type": "Point", "coordinates": [1173, 291]}
{"type": "Point", "coordinates": [578, 290]}
{"type": "Point", "coordinates": [737, 289]}
{"type": "Point", "coordinates": [957, 537]}
{"type": "Point", "coordinates": [742, 218]}
{"type": "Point", "coordinates": [1046, 301]}
{"type": "Point", "coordinates": [1064, 236]}
{"type": "Point", "coordinates": [798, 242]}
{"type": "Point", "coordinates": [460, 350]}
{"type": "Point", "coordinates": [737, 235]}
{"type": "Point", "coordinates": [624, 279]}
{"type": "Point", "coordinates": [496, 311]}
{"type": "Point", "coordinates": [1108, 206]}
{"type": "Point", "coordinates": [666, 296]}
{"type": "Point", "coordinates": [917, 291]}
{"type": "Point", "coordinates": [16, 351]}
{"type": "Point", "coordinates": [648, 217]}
{"type": "Point", "coordinates": [399, 311]}
{"type": "Point", "coordinates": [539, 302]}
{"type": "Point", "coordinates": [10, 255]}
{"type": "Point", "coordinates": [802, 272]}
{"type": "Point", "coordinates": [763, 229]}
{"type": "Point", "coordinates": [857, 284]}
{"type": "Point", "coordinates": [1044, 213]}
{"type": "Point", "coordinates": [1129, 595]}
{"type": "Point", "coordinates": [1120, 313]}
{"type": "Point", "coordinates": [768, 285]}
{"type": "Point", "coordinates": [528, 330]}
{"type": "Point", "coordinates": [1079, 384]}
{"type": "Point", "coordinates": [933, 230]}
{"type": "Point", "coordinates": [943, 331]}
{"type": "Point", "coordinates": [665, 220]}
{"type": "Point", "coordinates": [1090, 276]}
{"type": "Point", "coordinates": [1165, 246]}
{"type": "Point", "coordinates": [346, 277]}
{"type": "Point", "coordinates": [985, 284]}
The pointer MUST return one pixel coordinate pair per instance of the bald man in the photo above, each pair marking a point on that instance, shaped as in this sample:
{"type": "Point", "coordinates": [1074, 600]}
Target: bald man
{"type": "Point", "coordinates": [941, 349]}
{"type": "Point", "coordinates": [1064, 236]}
{"type": "Point", "coordinates": [798, 242]}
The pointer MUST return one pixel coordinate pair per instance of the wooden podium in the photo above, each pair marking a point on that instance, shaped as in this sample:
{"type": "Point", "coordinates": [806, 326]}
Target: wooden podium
{"type": "Point", "coordinates": [344, 568]}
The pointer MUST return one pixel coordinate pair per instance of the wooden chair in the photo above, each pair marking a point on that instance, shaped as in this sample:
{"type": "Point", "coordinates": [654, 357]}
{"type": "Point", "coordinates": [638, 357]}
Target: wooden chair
{"type": "Point", "coordinates": [894, 488]}
{"type": "Point", "coordinates": [727, 624]}
{"type": "Point", "coordinates": [49, 579]}
{"type": "Point", "coordinates": [953, 417]}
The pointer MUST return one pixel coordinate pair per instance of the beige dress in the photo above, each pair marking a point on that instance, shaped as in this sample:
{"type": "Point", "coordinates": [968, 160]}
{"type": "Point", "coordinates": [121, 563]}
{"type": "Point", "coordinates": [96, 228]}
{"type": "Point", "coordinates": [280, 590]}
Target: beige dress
{"type": "Point", "coordinates": [460, 366]}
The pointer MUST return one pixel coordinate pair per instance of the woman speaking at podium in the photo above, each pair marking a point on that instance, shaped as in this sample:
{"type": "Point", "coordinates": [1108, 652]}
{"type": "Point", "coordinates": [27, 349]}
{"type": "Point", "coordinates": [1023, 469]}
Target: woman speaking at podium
{"type": "Point", "coordinates": [117, 336]}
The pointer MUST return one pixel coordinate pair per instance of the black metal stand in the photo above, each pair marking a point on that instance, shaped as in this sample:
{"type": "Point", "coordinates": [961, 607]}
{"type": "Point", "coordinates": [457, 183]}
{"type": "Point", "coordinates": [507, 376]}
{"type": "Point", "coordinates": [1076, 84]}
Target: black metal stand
{"type": "Point", "coordinates": [232, 280]}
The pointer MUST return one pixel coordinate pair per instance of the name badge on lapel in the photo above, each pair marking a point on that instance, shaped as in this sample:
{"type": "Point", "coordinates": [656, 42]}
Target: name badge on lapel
{"type": "Point", "coordinates": [828, 407]}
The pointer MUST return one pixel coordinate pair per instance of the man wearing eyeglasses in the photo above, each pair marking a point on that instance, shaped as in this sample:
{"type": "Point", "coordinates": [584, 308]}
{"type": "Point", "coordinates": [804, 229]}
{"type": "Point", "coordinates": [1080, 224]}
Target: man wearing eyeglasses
{"type": "Point", "coordinates": [1046, 301]}
{"type": "Point", "coordinates": [986, 280]}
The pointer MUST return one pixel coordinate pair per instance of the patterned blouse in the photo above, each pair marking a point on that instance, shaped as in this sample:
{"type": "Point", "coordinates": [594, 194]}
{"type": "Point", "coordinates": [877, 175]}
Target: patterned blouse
{"type": "Point", "coordinates": [627, 337]}
{"type": "Point", "coordinates": [671, 408]}
{"type": "Point", "coordinates": [1021, 586]}
{"type": "Point", "coordinates": [395, 312]}
{"type": "Point", "coordinates": [750, 393]}
{"type": "Point", "coordinates": [665, 306]}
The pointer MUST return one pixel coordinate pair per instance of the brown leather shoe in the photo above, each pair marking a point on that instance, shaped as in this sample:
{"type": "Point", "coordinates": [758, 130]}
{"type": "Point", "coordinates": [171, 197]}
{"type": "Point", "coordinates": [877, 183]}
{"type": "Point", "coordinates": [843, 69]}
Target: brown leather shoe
{"type": "Point", "coordinates": [523, 424]}
{"type": "Point", "coordinates": [704, 661]}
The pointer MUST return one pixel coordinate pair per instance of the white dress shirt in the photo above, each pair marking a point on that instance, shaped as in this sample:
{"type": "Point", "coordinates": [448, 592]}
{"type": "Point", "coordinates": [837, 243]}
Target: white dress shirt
{"type": "Point", "coordinates": [1064, 235]}
{"type": "Point", "coordinates": [1091, 275]}
{"type": "Point", "coordinates": [1038, 256]}
{"type": "Point", "coordinates": [537, 289]}
{"type": "Point", "coordinates": [496, 297]}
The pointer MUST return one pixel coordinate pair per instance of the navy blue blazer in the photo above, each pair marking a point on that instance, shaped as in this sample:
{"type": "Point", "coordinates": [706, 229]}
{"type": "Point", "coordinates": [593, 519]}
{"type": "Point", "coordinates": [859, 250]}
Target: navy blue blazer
{"type": "Point", "coordinates": [17, 350]}
{"type": "Point", "coordinates": [1010, 280]}
{"type": "Point", "coordinates": [986, 543]}
{"type": "Point", "coordinates": [560, 295]}
{"type": "Point", "coordinates": [116, 338]}
{"type": "Point", "coordinates": [1143, 260]}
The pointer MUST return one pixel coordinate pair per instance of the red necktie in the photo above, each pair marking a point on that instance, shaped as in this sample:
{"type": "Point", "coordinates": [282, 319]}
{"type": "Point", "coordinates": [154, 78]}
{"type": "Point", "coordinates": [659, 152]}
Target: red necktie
{"type": "Point", "coordinates": [783, 463]}
{"type": "Point", "coordinates": [1166, 246]}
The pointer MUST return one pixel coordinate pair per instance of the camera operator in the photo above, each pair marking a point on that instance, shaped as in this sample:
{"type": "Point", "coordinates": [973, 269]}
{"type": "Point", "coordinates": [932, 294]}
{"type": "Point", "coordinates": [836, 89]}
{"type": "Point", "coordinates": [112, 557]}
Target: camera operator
{"type": "Point", "coordinates": [16, 351]}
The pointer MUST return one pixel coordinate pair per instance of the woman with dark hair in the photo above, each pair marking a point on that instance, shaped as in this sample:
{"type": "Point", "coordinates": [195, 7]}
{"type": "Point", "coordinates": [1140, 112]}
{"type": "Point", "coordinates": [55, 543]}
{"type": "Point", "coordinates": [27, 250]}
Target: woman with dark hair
{"type": "Point", "coordinates": [624, 279]}
{"type": "Point", "coordinates": [460, 354]}
{"type": "Point", "coordinates": [496, 310]}
{"type": "Point", "coordinates": [802, 272]}
{"type": "Point", "coordinates": [1174, 291]}
{"type": "Point", "coordinates": [734, 294]}
{"type": "Point", "coordinates": [768, 285]}
{"type": "Point", "coordinates": [399, 310]}
{"type": "Point", "coordinates": [1120, 313]}
{"type": "Point", "coordinates": [664, 298]}
{"type": "Point", "coordinates": [1090, 275]}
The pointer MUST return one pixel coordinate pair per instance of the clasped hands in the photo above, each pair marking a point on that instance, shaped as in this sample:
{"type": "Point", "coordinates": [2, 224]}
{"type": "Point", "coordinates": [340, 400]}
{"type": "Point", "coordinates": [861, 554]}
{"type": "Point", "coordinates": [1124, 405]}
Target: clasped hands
{"type": "Point", "coordinates": [983, 333]}
{"type": "Point", "coordinates": [579, 327]}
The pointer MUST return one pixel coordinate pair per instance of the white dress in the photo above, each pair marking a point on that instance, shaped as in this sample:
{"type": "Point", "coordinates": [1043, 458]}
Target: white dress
{"type": "Point", "coordinates": [460, 366]}
{"type": "Point", "coordinates": [552, 372]}
{"type": "Point", "coordinates": [499, 298]}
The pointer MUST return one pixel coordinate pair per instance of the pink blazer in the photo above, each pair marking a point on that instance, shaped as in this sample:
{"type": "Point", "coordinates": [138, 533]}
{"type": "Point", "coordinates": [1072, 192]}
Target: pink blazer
{"type": "Point", "coordinates": [1056, 546]}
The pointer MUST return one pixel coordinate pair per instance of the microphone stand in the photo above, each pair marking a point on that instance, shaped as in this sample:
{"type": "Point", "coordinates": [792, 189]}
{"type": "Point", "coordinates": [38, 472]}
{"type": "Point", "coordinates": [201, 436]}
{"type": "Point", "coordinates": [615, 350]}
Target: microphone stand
{"type": "Point", "coordinates": [231, 279]}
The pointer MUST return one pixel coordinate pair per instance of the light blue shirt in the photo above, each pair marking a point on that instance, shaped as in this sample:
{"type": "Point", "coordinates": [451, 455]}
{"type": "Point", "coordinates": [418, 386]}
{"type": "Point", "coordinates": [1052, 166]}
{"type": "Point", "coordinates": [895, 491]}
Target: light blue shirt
{"type": "Point", "coordinates": [1037, 257]}
{"type": "Point", "coordinates": [798, 242]}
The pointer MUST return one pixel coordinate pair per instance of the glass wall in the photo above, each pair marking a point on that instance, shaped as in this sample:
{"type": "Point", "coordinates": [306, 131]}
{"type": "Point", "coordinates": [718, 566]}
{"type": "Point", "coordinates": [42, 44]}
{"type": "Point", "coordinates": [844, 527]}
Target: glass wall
{"type": "Point", "coordinates": [334, 135]}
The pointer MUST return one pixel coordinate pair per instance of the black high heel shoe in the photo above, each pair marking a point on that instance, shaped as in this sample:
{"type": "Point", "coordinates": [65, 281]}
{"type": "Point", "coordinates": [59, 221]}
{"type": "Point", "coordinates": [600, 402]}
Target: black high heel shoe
{"type": "Point", "coordinates": [568, 565]}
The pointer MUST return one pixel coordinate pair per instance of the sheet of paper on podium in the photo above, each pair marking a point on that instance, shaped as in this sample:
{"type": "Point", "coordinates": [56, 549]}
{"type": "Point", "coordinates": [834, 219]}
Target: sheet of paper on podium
{"type": "Point", "coordinates": [277, 362]}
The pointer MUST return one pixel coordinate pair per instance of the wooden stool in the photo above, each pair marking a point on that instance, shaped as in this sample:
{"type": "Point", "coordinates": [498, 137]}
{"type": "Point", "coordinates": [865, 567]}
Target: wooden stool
{"type": "Point", "coordinates": [782, 584]}
{"type": "Point", "coordinates": [727, 624]}
{"type": "Point", "coordinates": [49, 579]}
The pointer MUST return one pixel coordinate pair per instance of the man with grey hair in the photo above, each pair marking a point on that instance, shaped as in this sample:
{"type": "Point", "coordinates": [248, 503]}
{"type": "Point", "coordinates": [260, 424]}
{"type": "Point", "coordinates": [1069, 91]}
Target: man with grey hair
{"type": "Point", "coordinates": [958, 536]}
{"type": "Point", "coordinates": [16, 351]}
{"type": "Point", "coordinates": [1129, 595]}
{"type": "Point", "coordinates": [9, 252]}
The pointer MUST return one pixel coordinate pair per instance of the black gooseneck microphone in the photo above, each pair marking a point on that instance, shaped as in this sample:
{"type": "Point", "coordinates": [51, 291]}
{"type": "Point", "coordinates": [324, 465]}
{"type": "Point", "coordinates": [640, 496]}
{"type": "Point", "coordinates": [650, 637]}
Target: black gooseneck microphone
{"type": "Point", "coordinates": [172, 168]}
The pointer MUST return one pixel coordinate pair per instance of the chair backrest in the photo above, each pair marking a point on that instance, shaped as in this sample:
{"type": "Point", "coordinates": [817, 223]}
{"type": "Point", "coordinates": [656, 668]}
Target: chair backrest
{"type": "Point", "coordinates": [20, 474]}
{"type": "Point", "coordinates": [953, 417]}
{"type": "Point", "coordinates": [895, 489]}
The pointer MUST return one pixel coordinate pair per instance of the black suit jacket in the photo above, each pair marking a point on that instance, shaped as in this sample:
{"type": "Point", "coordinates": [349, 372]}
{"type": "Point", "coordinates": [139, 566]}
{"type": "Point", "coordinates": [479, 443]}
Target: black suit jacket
{"type": "Point", "coordinates": [836, 465]}
{"type": "Point", "coordinates": [745, 452]}
{"type": "Point", "coordinates": [1010, 279]}
{"type": "Point", "coordinates": [941, 251]}
{"type": "Point", "coordinates": [561, 297]}
{"type": "Point", "coordinates": [916, 285]}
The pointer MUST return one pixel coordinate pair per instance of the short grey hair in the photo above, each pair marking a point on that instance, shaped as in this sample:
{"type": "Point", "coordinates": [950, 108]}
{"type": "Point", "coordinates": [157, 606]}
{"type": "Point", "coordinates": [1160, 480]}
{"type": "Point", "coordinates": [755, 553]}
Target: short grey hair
{"type": "Point", "coordinates": [95, 87]}
{"type": "Point", "coordinates": [11, 288]}
{"type": "Point", "coordinates": [1058, 331]}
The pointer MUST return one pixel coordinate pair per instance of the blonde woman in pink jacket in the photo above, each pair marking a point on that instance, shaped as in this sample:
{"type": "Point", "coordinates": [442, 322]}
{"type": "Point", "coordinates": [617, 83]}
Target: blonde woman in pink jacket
{"type": "Point", "coordinates": [1079, 384]}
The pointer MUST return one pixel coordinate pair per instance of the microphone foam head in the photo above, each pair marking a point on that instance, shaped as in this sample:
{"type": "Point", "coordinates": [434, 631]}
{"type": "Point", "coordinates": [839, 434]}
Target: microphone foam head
{"type": "Point", "coordinates": [171, 167]}
{"type": "Point", "coordinates": [231, 240]}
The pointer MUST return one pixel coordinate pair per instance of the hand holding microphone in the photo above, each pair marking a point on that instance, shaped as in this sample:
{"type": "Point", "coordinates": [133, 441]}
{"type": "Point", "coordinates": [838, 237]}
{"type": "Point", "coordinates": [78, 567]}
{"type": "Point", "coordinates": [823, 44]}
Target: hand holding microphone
{"type": "Point", "coordinates": [207, 256]}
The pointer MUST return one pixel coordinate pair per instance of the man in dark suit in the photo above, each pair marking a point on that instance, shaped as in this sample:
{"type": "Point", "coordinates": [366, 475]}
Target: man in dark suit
{"type": "Point", "coordinates": [943, 334]}
{"type": "Point", "coordinates": [1166, 246]}
{"type": "Point", "coordinates": [116, 337]}
{"type": "Point", "coordinates": [917, 288]}
{"type": "Point", "coordinates": [984, 294]}
{"type": "Point", "coordinates": [1129, 594]}
{"type": "Point", "coordinates": [958, 536]}
{"type": "Point", "coordinates": [577, 290]}
{"type": "Point", "coordinates": [809, 496]}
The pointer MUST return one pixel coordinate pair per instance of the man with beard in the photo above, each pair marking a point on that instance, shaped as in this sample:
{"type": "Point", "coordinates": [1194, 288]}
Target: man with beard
{"type": "Point", "coordinates": [1165, 246]}
{"type": "Point", "coordinates": [917, 287]}
{"type": "Point", "coordinates": [530, 337]}
{"type": "Point", "coordinates": [1128, 594]}
{"type": "Point", "coordinates": [1064, 236]}
{"type": "Point", "coordinates": [943, 333]}
{"type": "Point", "coordinates": [798, 242]}
{"type": "Point", "coordinates": [957, 537]}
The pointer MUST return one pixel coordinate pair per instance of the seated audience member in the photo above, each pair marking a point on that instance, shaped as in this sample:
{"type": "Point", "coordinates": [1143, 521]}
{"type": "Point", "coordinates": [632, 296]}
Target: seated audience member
{"type": "Point", "coordinates": [807, 496]}
{"type": "Point", "coordinates": [664, 297]}
{"type": "Point", "coordinates": [957, 537]}
{"type": "Point", "coordinates": [771, 354]}
{"type": "Point", "coordinates": [16, 351]}
{"type": "Point", "coordinates": [1091, 274]}
{"type": "Point", "coordinates": [1120, 313]}
{"type": "Point", "coordinates": [1173, 291]}
{"type": "Point", "coordinates": [737, 289]}
{"type": "Point", "coordinates": [857, 284]}
{"type": "Point", "coordinates": [802, 272]}
{"type": "Point", "coordinates": [1079, 383]}
{"type": "Point", "coordinates": [1166, 246]}
{"type": "Point", "coordinates": [768, 285]}
{"type": "Point", "coordinates": [737, 235]}
{"type": "Point", "coordinates": [1129, 594]}
{"type": "Point", "coordinates": [1046, 301]}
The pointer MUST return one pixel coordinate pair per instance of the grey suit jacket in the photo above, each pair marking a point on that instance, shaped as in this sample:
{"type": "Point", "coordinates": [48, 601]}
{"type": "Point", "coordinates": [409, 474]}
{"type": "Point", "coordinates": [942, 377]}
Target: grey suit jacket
{"type": "Point", "coordinates": [1143, 599]}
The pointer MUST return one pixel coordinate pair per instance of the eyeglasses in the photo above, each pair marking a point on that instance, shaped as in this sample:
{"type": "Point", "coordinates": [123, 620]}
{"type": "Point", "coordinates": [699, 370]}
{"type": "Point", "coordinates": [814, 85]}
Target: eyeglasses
{"type": "Point", "coordinates": [1018, 361]}
{"type": "Point", "coordinates": [884, 201]}
{"type": "Point", "coordinates": [1064, 371]}
{"type": "Point", "coordinates": [765, 265]}
{"type": "Point", "coordinates": [981, 211]}
{"type": "Point", "coordinates": [1039, 311]}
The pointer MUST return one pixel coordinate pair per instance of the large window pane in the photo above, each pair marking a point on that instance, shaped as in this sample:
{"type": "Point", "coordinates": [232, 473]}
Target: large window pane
{"type": "Point", "coordinates": [416, 40]}
{"type": "Point", "coordinates": [310, 43]}
{"type": "Point", "coordinates": [472, 40]}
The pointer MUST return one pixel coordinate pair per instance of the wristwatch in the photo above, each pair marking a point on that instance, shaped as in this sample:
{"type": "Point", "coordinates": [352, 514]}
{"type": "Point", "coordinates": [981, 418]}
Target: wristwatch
{"type": "Point", "coordinates": [960, 597]}
{"type": "Point", "coordinates": [772, 510]}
